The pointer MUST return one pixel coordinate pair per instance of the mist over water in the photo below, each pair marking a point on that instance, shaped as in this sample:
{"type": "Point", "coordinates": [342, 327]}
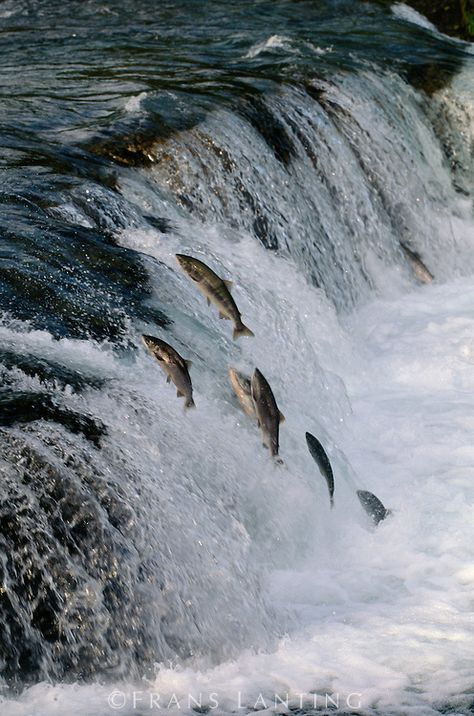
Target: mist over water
{"type": "Point", "coordinates": [305, 151]}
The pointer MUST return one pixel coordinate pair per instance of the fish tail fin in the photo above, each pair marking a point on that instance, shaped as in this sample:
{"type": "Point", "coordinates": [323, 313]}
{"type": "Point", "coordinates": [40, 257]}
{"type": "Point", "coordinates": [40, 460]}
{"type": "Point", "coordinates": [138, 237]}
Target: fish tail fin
{"type": "Point", "coordinates": [242, 331]}
{"type": "Point", "coordinates": [331, 502]}
{"type": "Point", "coordinates": [189, 404]}
{"type": "Point", "coordinates": [279, 462]}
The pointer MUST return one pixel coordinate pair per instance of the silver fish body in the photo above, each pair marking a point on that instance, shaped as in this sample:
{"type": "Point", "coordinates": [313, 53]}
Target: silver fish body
{"type": "Point", "coordinates": [215, 290]}
{"type": "Point", "coordinates": [267, 412]}
{"type": "Point", "coordinates": [322, 461]}
{"type": "Point", "coordinates": [243, 390]}
{"type": "Point", "coordinates": [175, 367]}
{"type": "Point", "coordinates": [421, 273]}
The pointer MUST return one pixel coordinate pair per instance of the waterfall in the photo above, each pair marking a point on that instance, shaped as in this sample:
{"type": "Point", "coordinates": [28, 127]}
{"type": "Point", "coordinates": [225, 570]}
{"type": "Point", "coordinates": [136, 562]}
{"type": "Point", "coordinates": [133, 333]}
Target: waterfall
{"type": "Point", "coordinates": [133, 534]}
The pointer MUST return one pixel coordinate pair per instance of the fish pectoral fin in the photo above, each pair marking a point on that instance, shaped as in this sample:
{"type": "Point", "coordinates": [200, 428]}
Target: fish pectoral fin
{"type": "Point", "coordinates": [208, 301]}
{"type": "Point", "coordinates": [188, 363]}
{"type": "Point", "coordinates": [229, 284]}
{"type": "Point", "coordinates": [222, 315]}
{"type": "Point", "coordinates": [179, 394]}
{"type": "Point", "coordinates": [168, 379]}
{"type": "Point", "coordinates": [282, 417]}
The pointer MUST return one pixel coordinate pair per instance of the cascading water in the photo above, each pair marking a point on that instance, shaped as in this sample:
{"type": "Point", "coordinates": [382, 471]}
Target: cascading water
{"type": "Point", "coordinates": [153, 555]}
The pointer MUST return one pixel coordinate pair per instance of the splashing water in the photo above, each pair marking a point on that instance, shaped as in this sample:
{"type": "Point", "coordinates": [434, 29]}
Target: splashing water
{"type": "Point", "coordinates": [164, 552]}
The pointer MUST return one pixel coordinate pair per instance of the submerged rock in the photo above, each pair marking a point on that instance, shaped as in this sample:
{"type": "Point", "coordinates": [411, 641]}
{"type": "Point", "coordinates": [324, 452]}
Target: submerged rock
{"type": "Point", "coordinates": [70, 594]}
{"type": "Point", "coordinates": [453, 17]}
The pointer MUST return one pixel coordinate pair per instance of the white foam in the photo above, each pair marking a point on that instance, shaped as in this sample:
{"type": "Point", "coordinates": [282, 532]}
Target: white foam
{"type": "Point", "coordinates": [134, 103]}
{"type": "Point", "coordinates": [384, 615]}
{"type": "Point", "coordinates": [281, 42]}
{"type": "Point", "coordinates": [405, 12]}
{"type": "Point", "coordinates": [271, 43]}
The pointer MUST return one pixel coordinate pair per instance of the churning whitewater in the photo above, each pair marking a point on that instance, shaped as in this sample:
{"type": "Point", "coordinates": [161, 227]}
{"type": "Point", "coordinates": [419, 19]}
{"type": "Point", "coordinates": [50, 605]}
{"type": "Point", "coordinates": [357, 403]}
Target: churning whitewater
{"type": "Point", "coordinates": [155, 558]}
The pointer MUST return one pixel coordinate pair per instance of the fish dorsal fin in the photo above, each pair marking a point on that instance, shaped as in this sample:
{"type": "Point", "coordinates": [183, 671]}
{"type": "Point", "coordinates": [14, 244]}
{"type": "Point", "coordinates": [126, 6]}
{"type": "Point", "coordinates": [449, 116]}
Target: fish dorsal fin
{"type": "Point", "coordinates": [282, 417]}
{"type": "Point", "coordinates": [188, 363]}
{"type": "Point", "coordinates": [229, 284]}
{"type": "Point", "coordinates": [168, 379]}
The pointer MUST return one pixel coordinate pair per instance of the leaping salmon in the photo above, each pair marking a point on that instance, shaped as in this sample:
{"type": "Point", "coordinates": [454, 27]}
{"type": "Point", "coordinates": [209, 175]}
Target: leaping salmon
{"type": "Point", "coordinates": [322, 461]}
{"type": "Point", "coordinates": [243, 390]}
{"type": "Point", "coordinates": [373, 506]}
{"type": "Point", "coordinates": [216, 290]}
{"type": "Point", "coordinates": [175, 367]}
{"type": "Point", "coordinates": [268, 415]}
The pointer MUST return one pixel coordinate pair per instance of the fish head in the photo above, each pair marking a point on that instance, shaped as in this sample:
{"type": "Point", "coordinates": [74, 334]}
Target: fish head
{"type": "Point", "coordinates": [239, 382]}
{"type": "Point", "coordinates": [148, 341]}
{"type": "Point", "coordinates": [190, 266]}
{"type": "Point", "coordinates": [153, 344]}
{"type": "Point", "coordinates": [255, 384]}
{"type": "Point", "coordinates": [317, 451]}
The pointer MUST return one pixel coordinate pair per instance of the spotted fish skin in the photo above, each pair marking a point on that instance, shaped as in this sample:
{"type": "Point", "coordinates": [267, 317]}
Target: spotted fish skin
{"type": "Point", "coordinates": [322, 461]}
{"type": "Point", "coordinates": [175, 367]}
{"type": "Point", "coordinates": [215, 290]}
{"type": "Point", "coordinates": [373, 506]}
{"type": "Point", "coordinates": [267, 412]}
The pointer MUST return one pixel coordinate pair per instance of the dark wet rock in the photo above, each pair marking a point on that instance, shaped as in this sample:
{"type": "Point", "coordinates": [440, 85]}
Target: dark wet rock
{"type": "Point", "coordinates": [260, 224]}
{"type": "Point", "coordinates": [70, 601]}
{"type": "Point", "coordinates": [161, 224]}
{"type": "Point", "coordinates": [48, 371]}
{"type": "Point", "coordinates": [132, 149]}
{"type": "Point", "coordinates": [213, 161]}
{"type": "Point", "coordinates": [430, 77]}
{"type": "Point", "coordinates": [454, 17]}
{"type": "Point", "coordinates": [92, 581]}
{"type": "Point", "coordinates": [436, 70]}
{"type": "Point", "coordinates": [269, 126]}
{"type": "Point", "coordinates": [60, 162]}
{"type": "Point", "coordinates": [18, 408]}
{"type": "Point", "coordinates": [72, 280]}
{"type": "Point", "coordinates": [452, 121]}
{"type": "Point", "coordinates": [132, 141]}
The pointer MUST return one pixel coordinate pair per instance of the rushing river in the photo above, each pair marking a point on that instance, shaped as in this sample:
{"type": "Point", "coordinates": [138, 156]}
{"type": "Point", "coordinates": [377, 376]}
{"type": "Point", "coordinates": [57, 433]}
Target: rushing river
{"type": "Point", "coordinates": [309, 151]}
